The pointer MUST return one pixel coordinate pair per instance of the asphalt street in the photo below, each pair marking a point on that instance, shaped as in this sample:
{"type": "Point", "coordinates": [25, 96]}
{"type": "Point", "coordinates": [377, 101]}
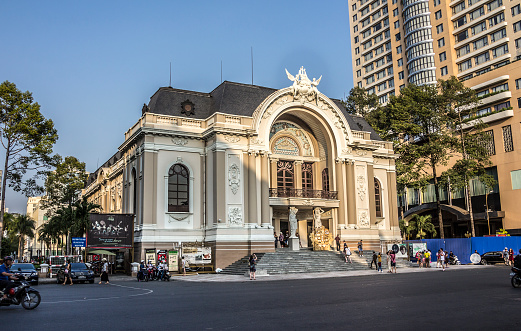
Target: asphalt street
{"type": "Point", "coordinates": [472, 299]}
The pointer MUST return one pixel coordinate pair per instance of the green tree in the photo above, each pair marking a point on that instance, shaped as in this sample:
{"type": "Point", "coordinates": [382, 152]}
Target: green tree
{"type": "Point", "coordinates": [22, 226]}
{"type": "Point", "coordinates": [27, 138]}
{"type": "Point", "coordinates": [470, 139]}
{"type": "Point", "coordinates": [361, 103]}
{"type": "Point", "coordinates": [82, 209]}
{"type": "Point", "coordinates": [63, 185]}
{"type": "Point", "coordinates": [407, 228]}
{"type": "Point", "coordinates": [423, 225]}
{"type": "Point", "coordinates": [10, 241]}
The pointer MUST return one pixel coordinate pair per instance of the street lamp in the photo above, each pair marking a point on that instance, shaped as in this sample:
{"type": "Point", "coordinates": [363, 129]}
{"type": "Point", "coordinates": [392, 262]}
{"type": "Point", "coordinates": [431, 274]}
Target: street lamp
{"type": "Point", "coordinates": [486, 210]}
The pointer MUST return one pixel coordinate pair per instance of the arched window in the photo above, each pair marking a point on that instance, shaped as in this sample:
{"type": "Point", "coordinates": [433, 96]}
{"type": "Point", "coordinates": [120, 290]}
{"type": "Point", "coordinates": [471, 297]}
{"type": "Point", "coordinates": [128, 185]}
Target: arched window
{"type": "Point", "coordinates": [178, 184]}
{"type": "Point", "coordinates": [307, 176]}
{"type": "Point", "coordinates": [285, 174]}
{"type": "Point", "coordinates": [377, 198]}
{"type": "Point", "coordinates": [325, 179]}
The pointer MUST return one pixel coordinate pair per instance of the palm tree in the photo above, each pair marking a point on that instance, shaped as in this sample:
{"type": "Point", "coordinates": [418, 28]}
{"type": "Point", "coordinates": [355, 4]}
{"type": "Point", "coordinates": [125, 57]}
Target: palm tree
{"type": "Point", "coordinates": [407, 227]}
{"type": "Point", "coordinates": [23, 226]}
{"type": "Point", "coordinates": [424, 225]}
{"type": "Point", "coordinates": [81, 220]}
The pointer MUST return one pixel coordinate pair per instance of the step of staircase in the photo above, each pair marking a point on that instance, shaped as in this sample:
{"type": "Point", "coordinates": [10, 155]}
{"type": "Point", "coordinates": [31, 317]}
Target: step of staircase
{"type": "Point", "coordinates": [284, 261]}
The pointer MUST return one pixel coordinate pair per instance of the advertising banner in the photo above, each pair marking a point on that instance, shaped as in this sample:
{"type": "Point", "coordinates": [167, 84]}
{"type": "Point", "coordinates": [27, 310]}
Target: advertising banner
{"type": "Point", "coordinates": [173, 261]}
{"type": "Point", "coordinates": [161, 256]}
{"type": "Point", "coordinates": [150, 256]}
{"type": "Point", "coordinates": [418, 247]}
{"type": "Point", "coordinates": [79, 242]}
{"type": "Point", "coordinates": [197, 255]}
{"type": "Point", "coordinates": [110, 231]}
{"type": "Point", "coordinates": [399, 249]}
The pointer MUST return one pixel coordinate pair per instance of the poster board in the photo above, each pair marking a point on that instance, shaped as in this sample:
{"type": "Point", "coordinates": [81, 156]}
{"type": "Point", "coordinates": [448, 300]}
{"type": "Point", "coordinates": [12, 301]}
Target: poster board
{"type": "Point", "coordinates": [399, 249]}
{"type": "Point", "coordinates": [197, 254]}
{"type": "Point", "coordinates": [150, 256]}
{"type": "Point", "coordinates": [161, 256]}
{"type": "Point", "coordinates": [173, 260]}
{"type": "Point", "coordinates": [110, 231]}
{"type": "Point", "coordinates": [418, 247]}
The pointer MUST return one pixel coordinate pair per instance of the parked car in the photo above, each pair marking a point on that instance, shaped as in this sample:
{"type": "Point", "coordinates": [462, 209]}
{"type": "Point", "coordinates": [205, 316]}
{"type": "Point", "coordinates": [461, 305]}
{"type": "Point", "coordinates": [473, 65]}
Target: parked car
{"type": "Point", "coordinates": [80, 273]}
{"type": "Point", "coordinates": [492, 257]}
{"type": "Point", "coordinates": [27, 270]}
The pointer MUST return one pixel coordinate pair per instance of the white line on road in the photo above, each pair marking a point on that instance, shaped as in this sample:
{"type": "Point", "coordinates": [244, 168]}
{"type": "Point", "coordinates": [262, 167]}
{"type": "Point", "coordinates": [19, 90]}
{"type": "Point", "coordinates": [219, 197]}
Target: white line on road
{"type": "Point", "coordinates": [148, 291]}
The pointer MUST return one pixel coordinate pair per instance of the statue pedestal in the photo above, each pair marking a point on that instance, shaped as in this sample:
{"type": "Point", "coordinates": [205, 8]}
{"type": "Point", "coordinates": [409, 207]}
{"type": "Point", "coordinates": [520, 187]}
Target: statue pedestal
{"type": "Point", "coordinates": [293, 244]}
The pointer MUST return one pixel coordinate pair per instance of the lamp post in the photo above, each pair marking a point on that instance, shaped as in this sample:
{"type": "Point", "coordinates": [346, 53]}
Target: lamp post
{"type": "Point", "coordinates": [486, 210]}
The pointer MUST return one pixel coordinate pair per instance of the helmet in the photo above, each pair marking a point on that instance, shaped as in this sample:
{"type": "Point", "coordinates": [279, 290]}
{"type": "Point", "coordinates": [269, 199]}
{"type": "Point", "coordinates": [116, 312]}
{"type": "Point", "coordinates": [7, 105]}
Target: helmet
{"type": "Point", "coordinates": [8, 258]}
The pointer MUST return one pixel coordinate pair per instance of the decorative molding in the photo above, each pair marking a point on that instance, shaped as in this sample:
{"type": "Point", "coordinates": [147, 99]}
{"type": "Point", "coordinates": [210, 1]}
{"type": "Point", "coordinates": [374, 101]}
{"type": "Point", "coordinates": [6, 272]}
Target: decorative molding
{"type": "Point", "coordinates": [256, 141]}
{"type": "Point", "coordinates": [178, 218]}
{"type": "Point", "coordinates": [347, 150]}
{"type": "Point", "coordinates": [232, 139]}
{"type": "Point", "coordinates": [234, 178]}
{"type": "Point", "coordinates": [275, 104]}
{"type": "Point", "coordinates": [363, 219]}
{"type": "Point", "coordinates": [308, 202]}
{"type": "Point", "coordinates": [179, 141]}
{"type": "Point", "coordinates": [360, 152]}
{"type": "Point", "coordinates": [235, 216]}
{"type": "Point", "coordinates": [303, 88]}
{"type": "Point", "coordinates": [361, 189]}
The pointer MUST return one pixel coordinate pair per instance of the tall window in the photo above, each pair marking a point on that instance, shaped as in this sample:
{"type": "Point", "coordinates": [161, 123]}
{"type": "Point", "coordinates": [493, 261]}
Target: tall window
{"type": "Point", "coordinates": [325, 179]}
{"type": "Point", "coordinates": [377, 198]}
{"type": "Point", "coordinates": [307, 176]}
{"type": "Point", "coordinates": [285, 174]}
{"type": "Point", "coordinates": [178, 186]}
{"type": "Point", "coordinates": [507, 139]}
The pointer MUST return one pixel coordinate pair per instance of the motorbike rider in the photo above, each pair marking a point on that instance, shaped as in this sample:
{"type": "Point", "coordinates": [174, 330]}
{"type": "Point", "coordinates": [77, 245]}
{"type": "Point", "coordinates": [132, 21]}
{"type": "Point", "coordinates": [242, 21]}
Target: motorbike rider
{"type": "Point", "coordinates": [6, 275]}
{"type": "Point", "coordinates": [142, 270]}
{"type": "Point", "coordinates": [517, 261]}
{"type": "Point", "coordinates": [451, 257]}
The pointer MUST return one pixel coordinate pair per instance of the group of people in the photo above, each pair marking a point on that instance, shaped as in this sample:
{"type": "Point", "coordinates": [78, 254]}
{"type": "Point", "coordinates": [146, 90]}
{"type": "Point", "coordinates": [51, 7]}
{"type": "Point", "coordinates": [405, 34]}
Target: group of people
{"type": "Point", "coordinates": [377, 261]}
{"type": "Point", "coordinates": [281, 240]}
{"type": "Point", "coordinates": [160, 269]}
{"type": "Point", "coordinates": [443, 258]}
{"type": "Point", "coordinates": [508, 256]}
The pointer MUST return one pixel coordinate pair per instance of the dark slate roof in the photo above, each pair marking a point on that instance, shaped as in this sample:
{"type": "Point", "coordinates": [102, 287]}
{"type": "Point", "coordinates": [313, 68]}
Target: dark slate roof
{"type": "Point", "coordinates": [94, 175]}
{"type": "Point", "coordinates": [229, 98]}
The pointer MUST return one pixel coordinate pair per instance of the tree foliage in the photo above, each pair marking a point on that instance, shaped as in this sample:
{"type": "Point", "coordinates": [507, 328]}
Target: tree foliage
{"type": "Point", "coordinates": [423, 224]}
{"type": "Point", "coordinates": [27, 138]}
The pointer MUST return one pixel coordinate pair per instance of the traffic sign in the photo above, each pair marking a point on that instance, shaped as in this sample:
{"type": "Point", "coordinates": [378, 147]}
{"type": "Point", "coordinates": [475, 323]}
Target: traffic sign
{"type": "Point", "coordinates": [79, 242]}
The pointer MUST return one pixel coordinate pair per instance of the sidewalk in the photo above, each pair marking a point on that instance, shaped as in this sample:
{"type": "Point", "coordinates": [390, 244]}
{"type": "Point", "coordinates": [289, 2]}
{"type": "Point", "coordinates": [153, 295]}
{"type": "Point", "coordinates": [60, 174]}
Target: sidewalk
{"type": "Point", "coordinates": [237, 278]}
{"type": "Point", "coordinates": [115, 277]}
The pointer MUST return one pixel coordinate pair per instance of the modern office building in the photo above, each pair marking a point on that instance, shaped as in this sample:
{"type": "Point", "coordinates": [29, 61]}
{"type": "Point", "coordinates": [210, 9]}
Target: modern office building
{"type": "Point", "coordinates": [396, 43]}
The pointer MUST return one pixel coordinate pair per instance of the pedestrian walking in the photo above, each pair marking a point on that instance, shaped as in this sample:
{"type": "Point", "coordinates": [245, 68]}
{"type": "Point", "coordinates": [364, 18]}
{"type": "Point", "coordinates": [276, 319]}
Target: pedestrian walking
{"type": "Point", "coordinates": [347, 253]}
{"type": "Point", "coordinates": [337, 239]}
{"type": "Point", "coordinates": [380, 262]}
{"type": "Point", "coordinates": [505, 255]}
{"type": "Point", "coordinates": [253, 262]}
{"type": "Point", "coordinates": [374, 260]}
{"type": "Point", "coordinates": [104, 272]}
{"type": "Point", "coordinates": [281, 239]}
{"type": "Point", "coordinates": [276, 238]}
{"type": "Point", "coordinates": [511, 257]}
{"type": "Point", "coordinates": [67, 273]}
{"type": "Point", "coordinates": [360, 248]}
{"type": "Point", "coordinates": [393, 261]}
{"type": "Point", "coordinates": [429, 258]}
{"type": "Point", "coordinates": [438, 258]}
{"type": "Point", "coordinates": [183, 265]}
{"type": "Point", "coordinates": [442, 259]}
{"type": "Point", "coordinates": [419, 256]}
{"type": "Point", "coordinates": [389, 260]}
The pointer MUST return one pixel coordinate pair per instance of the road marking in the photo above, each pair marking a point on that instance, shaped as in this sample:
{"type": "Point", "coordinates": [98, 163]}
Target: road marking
{"type": "Point", "coordinates": [148, 291]}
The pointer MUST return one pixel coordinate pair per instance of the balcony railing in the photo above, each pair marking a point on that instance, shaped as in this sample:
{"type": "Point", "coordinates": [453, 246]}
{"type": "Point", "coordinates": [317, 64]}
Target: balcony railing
{"type": "Point", "coordinates": [302, 193]}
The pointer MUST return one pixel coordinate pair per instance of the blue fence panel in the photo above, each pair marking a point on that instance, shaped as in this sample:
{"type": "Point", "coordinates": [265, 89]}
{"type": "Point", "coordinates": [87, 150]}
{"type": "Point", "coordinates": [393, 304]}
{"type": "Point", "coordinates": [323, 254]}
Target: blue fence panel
{"type": "Point", "coordinates": [461, 247]}
{"type": "Point", "coordinates": [491, 244]}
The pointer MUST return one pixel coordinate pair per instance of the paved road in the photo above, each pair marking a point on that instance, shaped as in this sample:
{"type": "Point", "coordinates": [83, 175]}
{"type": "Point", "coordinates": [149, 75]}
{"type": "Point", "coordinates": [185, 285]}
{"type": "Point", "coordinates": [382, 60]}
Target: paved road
{"type": "Point", "coordinates": [479, 298]}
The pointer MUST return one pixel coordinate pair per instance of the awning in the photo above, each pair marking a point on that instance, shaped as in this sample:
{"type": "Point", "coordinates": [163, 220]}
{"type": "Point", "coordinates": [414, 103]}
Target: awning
{"type": "Point", "coordinates": [101, 252]}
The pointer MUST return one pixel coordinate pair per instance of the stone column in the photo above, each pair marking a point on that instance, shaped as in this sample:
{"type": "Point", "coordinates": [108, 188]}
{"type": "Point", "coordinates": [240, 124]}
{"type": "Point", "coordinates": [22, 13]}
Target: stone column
{"type": "Point", "coordinates": [351, 193]}
{"type": "Point", "coordinates": [265, 192]}
{"type": "Point", "coordinates": [341, 189]}
{"type": "Point", "coordinates": [219, 187]}
{"type": "Point", "coordinates": [370, 193]}
{"type": "Point", "coordinates": [293, 228]}
{"type": "Point", "coordinates": [392, 204]}
{"type": "Point", "coordinates": [273, 173]}
{"type": "Point", "coordinates": [252, 189]}
{"type": "Point", "coordinates": [297, 168]}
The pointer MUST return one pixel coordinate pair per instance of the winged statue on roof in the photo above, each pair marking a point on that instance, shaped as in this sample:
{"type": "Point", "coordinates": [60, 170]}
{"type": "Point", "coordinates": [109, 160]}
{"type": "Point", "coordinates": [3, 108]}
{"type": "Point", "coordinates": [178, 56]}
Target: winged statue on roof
{"type": "Point", "coordinates": [303, 88]}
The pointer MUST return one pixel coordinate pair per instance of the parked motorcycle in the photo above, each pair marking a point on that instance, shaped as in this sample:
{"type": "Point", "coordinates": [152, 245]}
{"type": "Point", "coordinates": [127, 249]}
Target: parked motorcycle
{"type": "Point", "coordinates": [515, 277]}
{"type": "Point", "coordinates": [22, 294]}
{"type": "Point", "coordinates": [454, 260]}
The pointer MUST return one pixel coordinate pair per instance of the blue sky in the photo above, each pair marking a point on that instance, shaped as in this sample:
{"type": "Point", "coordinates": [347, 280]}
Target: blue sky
{"type": "Point", "coordinates": [92, 64]}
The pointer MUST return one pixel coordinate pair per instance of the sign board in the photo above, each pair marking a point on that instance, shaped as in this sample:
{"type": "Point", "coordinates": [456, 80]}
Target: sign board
{"type": "Point", "coordinates": [197, 255]}
{"type": "Point", "coordinates": [418, 247]}
{"type": "Point", "coordinates": [79, 242]}
{"type": "Point", "coordinates": [399, 249]}
{"type": "Point", "coordinates": [110, 231]}
{"type": "Point", "coordinates": [150, 256]}
{"type": "Point", "coordinates": [475, 258]}
{"type": "Point", "coordinates": [161, 256]}
{"type": "Point", "coordinates": [173, 264]}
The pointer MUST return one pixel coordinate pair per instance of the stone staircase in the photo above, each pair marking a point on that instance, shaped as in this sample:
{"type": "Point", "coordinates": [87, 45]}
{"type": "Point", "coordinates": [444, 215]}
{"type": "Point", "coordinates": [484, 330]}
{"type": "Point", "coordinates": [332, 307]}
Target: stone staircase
{"type": "Point", "coordinates": [284, 261]}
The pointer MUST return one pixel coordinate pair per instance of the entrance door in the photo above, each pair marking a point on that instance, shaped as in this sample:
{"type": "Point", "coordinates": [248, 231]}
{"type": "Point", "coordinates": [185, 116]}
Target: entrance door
{"type": "Point", "coordinates": [284, 228]}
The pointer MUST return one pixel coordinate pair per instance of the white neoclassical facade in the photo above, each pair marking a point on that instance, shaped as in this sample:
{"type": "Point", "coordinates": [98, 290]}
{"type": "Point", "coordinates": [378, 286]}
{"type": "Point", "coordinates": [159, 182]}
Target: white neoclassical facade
{"type": "Point", "coordinates": [231, 167]}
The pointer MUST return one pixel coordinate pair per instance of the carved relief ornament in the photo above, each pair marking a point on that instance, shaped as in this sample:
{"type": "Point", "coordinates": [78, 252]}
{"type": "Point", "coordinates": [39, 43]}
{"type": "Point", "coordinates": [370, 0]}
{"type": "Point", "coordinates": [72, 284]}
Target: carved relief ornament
{"type": "Point", "coordinates": [234, 177]}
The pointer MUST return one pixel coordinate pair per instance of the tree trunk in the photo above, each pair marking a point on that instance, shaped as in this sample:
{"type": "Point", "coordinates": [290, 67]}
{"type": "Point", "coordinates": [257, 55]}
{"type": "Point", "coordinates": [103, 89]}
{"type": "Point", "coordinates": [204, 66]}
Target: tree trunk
{"type": "Point", "coordinates": [2, 198]}
{"type": "Point", "coordinates": [471, 214]}
{"type": "Point", "coordinates": [438, 203]}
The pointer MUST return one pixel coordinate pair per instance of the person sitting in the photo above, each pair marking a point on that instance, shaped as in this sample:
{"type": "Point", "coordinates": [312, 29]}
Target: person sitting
{"type": "Point", "coordinates": [6, 276]}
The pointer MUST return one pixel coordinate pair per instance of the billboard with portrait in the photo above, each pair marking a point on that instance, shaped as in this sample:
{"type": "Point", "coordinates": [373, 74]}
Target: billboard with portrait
{"type": "Point", "coordinates": [110, 231]}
